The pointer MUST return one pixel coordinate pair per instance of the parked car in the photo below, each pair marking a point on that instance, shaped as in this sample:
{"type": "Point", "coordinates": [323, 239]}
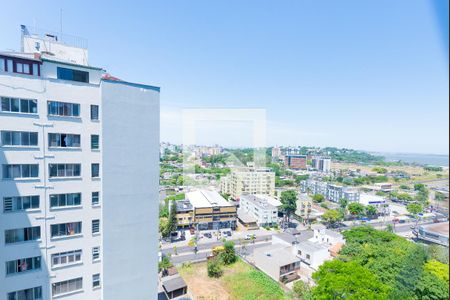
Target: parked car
{"type": "Point", "coordinates": [208, 235]}
{"type": "Point", "coordinates": [249, 236]}
{"type": "Point", "coordinates": [227, 233]}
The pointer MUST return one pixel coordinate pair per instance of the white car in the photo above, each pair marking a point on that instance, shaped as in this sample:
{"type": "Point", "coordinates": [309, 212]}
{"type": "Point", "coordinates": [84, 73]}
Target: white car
{"type": "Point", "coordinates": [249, 236]}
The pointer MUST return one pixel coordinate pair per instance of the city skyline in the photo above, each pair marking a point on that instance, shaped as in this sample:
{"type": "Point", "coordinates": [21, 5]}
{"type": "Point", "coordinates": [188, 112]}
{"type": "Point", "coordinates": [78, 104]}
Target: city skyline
{"type": "Point", "coordinates": [390, 55]}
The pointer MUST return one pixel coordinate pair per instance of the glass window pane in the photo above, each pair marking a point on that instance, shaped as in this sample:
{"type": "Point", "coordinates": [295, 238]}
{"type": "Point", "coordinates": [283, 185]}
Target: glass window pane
{"type": "Point", "coordinates": [24, 106]}
{"type": "Point", "coordinates": [15, 105]}
{"type": "Point", "coordinates": [6, 104]}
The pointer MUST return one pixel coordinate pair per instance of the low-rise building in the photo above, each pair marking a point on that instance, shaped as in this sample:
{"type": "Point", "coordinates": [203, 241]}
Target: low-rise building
{"type": "Point", "coordinates": [277, 261]}
{"type": "Point", "coordinates": [368, 199]}
{"type": "Point", "coordinates": [313, 187]}
{"type": "Point", "coordinates": [248, 181]}
{"type": "Point", "coordinates": [263, 209]}
{"type": "Point", "coordinates": [434, 233]}
{"type": "Point", "coordinates": [206, 210]}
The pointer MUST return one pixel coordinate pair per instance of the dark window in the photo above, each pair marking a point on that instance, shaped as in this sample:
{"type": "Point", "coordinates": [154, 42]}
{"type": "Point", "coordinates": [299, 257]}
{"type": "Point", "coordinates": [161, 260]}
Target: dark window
{"type": "Point", "coordinates": [94, 112]}
{"type": "Point", "coordinates": [94, 142]}
{"type": "Point", "coordinates": [56, 108]}
{"type": "Point", "coordinates": [74, 75]}
{"type": "Point", "coordinates": [95, 170]}
{"type": "Point", "coordinates": [95, 198]}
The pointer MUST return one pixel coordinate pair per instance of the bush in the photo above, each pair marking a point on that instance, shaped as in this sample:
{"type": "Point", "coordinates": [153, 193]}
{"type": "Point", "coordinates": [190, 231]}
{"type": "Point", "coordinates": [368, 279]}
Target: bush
{"type": "Point", "coordinates": [214, 268]}
{"type": "Point", "coordinates": [229, 255]}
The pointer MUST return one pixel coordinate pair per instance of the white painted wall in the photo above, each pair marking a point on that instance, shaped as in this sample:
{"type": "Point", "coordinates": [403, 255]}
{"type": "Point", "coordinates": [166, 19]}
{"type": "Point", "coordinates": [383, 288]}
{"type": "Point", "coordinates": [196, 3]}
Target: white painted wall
{"type": "Point", "coordinates": [130, 119]}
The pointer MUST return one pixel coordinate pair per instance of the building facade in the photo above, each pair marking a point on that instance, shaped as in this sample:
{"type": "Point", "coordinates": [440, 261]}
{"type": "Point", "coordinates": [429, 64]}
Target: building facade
{"type": "Point", "coordinates": [295, 161]}
{"type": "Point", "coordinates": [322, 164]}
{"type": "Point", "coordinates": [331, 192]}
{"type": "Point", "coordinates": [262, 208]}
{"type": "Point", "coordinates": [248, 181]}
{"type": "Point", "coordinates": [69, 175]}
{"type": "Point", "coordinates": [206, 210]}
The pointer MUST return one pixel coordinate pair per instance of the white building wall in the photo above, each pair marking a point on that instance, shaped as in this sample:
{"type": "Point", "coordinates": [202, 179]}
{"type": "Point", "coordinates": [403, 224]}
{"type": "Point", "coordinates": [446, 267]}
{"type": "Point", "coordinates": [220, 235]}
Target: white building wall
{"type": "Point", "coordinates": [130, 187]}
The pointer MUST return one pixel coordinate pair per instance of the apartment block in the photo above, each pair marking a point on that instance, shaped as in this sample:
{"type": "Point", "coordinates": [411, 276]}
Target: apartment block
{"type": "Point", "coordinates": [295, 161]}
{"type": "Point", "coordinates": [331, 192]}
{"type": "Point", "coordinates": [79, 156]}
{"type": "Point", "coordinates": [248, 181]}
{"type": "Point", "coordinates": [321, 164]}
{"type": "Point", "coordinates": [262, 209]}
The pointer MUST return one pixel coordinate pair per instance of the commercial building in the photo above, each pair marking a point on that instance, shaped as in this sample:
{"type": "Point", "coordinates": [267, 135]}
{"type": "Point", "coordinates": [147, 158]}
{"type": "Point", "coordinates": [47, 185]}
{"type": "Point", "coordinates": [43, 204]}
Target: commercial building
{"type": "Point", "coordinates": [322, 164]}
{"type": "Point", "coordinates": [295, 161]}
{"type": "Point", "coordinates": [206, 210]}
{"type": "Point", "coordinates": [79, 176]}
{"type": "Point", "coordinates": [434, 233]}
{"type": "Point", "coordinates": [276, 154]}
{"type": "Point", "coordinates": [262, 209]}
{"type": "Point", "coordinates": [313, 187]}
{"type": "Point", "coordinates": [368, 199]}
{"type": "Point", "coordinates": [248, 181]}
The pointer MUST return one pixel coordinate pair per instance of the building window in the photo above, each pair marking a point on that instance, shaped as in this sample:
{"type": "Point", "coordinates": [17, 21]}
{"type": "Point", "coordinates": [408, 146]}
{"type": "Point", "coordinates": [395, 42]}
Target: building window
{"type": "Point", "coordinates": [25, 106]}
{"type": "Point", "coordinates": [20, 203]}
{"type": "Point", "coordinates": [95, 253]}
{"type": "Point", "coordinates": [65, 200]}
{"type": "Point", "coordinates": [73, 75]}
{"type": "Point", "coordinates": [95, 198]}
{"type": "Point", "coordinates": [95, 142]}
{"type": "Point", "coordinates": [22, 235]}
{"type": "Point", "coordinates": [94, 112]}
{"type": "Point", "coordinates": [95, 170]}
{"type": "Point", "coordinates": [20, 171]}
{"type": "Point", "coordinates": [23, 265]}
{"type": "Point", "coordinates": [95, 280]}
{"type": "Point", "coordinates": [64, 170]}
{"type": "Point", "coordinates": [63, 109]}
{"type": "Point", "coordinates": [66, 258]}
{"type": "Point", "coordinates": [27, 294]}
{"type": "Point", "coordinates": [95, 226]}
{"type": "Point", "coordinates": [23, 68]}
{"type": "Point", "coordinates": [19, 138]}
{"type": "Point", "coordinates": [65, 229]}
{"type": "Point", "coordinates": [63, 140]}
{"type": "Point", "coordinates": [67, 286]}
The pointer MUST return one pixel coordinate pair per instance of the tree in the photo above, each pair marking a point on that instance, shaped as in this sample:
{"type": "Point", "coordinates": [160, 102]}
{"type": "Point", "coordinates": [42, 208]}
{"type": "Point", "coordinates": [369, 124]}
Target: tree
{"type": "Point", "coordinates": [347, 280]}
{"type": "Point", "coordinates": [415, 209]}
{"type": "Point", "coordinates": [371, 210]}
{"type": "Point", "coordinates": [332, 216]}
{"type": "Point", "coordinates": [289, 202]}
{"type": "Point", "coordinates": [172, 226]}
{"type": "Point", "coordinates": [356, 209]}
{"type": "Point", "coordinates": [301, 291]}
{"type": "Point", "coordinates": [228, 256]}
{"type": "Point", "coordinates": [343, 202]}
{"type": "Point", "coordinates": [318, 198]}
{"type": "Point", "coordinates": [214, 268]}
{"type": "Point", "coordinates": [390, 228]}
{"type": "Point", "coordinates": [163, 226]}
{"type": "Point", "coordinates": [164, 264]}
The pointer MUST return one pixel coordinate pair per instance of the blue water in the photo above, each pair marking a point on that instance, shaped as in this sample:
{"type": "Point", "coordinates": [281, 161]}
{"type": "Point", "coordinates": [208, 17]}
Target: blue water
{"type": "Point", "coordinates": [423, 159]}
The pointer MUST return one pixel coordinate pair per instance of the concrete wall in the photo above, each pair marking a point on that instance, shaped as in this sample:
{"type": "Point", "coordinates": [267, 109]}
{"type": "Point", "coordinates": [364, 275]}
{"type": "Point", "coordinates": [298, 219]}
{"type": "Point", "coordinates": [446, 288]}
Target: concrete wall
{"type": "Point", "coordinates": [130, 191]}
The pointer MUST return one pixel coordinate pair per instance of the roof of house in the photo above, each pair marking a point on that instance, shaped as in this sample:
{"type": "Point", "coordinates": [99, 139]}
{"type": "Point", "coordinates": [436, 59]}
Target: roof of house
{"type": "Point", "coordinates": [262, 201]}
{"type": "Point", "coordinates": [277, 254]}
{"type": "Point", "coordinates": [245, 217]}
{"type": "Point", "coordinates": [309, 246]}
{"type": "Point", "coordinates": [173, 283]}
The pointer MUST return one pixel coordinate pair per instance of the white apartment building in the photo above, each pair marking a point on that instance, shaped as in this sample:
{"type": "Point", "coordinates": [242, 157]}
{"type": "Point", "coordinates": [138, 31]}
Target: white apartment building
{"type": "Point", "coordinates": [248, 181]}
{"type": "Point", "coordinates": [321, 164]}
{"type": "Point", "coordinates": [262, 208]}
{"type": "Point", "coordinates": [79, 156]}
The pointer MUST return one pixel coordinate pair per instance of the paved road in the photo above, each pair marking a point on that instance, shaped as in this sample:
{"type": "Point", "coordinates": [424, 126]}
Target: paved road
{"type": "Point", "coordinates": [212, 244]}
{"type": "Point", "coordinates": [181, 258]}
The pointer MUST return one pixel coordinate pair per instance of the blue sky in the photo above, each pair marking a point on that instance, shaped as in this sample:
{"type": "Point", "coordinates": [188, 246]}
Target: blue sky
{"type": "Point", "coordinates": [369, 75]}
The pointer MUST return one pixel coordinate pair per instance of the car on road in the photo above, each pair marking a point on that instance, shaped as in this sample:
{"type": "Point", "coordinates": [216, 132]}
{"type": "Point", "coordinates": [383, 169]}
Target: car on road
{"type": "Point", "coordinates": [208, 235]}
{"type": "Point", "coordinates": [227, 233]}
{"type": "Point", "coordinates": [249, 236]}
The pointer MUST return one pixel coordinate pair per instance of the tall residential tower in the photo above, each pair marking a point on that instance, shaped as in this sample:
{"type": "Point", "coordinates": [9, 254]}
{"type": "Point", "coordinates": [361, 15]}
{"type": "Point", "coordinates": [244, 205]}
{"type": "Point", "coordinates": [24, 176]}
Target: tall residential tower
{"type": "Point", "coordinates": [79, 158]}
